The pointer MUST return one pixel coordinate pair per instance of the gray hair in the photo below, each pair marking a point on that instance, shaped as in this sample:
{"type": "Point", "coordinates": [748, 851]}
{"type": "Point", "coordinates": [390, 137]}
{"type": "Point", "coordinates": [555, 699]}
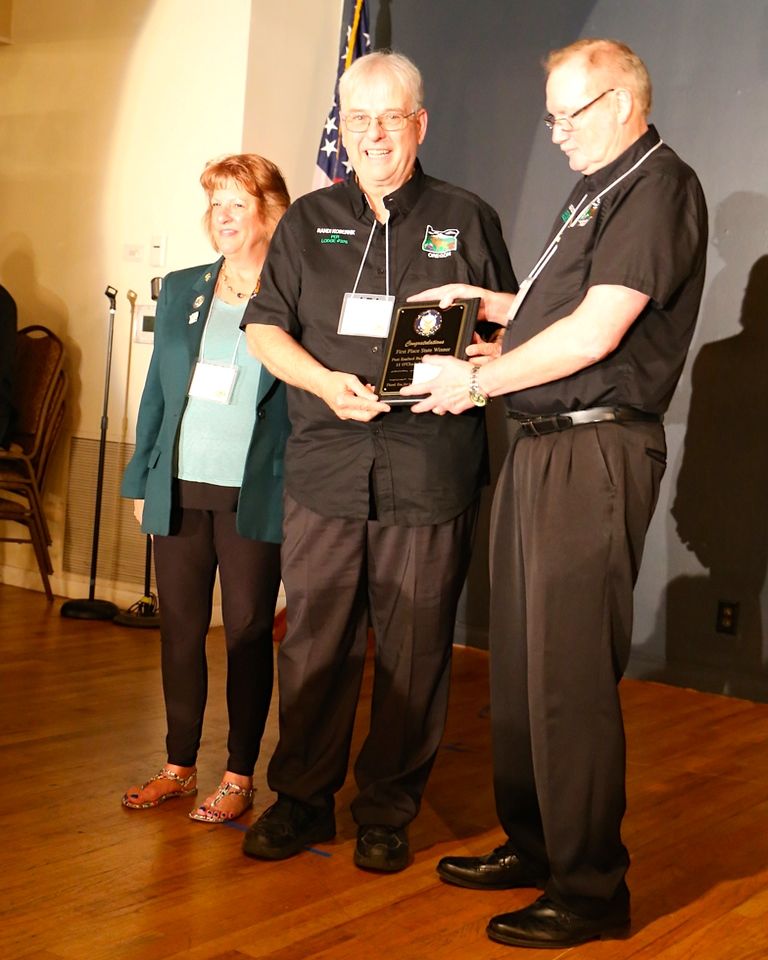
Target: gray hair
{"type": "Point", "coordinates": [398, 66]}
{"type": "Point", "coordinates": [613, 56]}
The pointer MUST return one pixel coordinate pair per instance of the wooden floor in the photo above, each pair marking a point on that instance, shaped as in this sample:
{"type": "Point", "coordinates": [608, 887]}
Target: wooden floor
{"type": "Point", "coordinates": [83, 879]}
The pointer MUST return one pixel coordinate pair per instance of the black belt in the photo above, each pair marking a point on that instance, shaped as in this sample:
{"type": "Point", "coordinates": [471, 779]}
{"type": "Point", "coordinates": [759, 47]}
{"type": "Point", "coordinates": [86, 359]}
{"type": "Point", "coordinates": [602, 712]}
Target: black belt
{"type": "Point", "coordinates": [537, 426]}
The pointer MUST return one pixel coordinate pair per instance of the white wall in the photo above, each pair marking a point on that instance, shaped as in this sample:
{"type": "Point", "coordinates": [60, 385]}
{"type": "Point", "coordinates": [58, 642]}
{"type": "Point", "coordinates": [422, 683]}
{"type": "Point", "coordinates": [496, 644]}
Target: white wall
{"type": "Point", "coordinates": [108, 114]}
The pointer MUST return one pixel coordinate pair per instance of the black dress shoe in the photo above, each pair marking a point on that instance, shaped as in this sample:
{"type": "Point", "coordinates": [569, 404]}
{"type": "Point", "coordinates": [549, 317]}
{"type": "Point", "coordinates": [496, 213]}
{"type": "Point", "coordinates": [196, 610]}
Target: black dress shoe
{"type": "Point", "coordinates": [501, 869]}
{"type": "Point", "coordinates": [286, 828]}
{"type": "Point", "coordinates": [547, 924]}
{"type": "Point", "coordinates": [382, 848]}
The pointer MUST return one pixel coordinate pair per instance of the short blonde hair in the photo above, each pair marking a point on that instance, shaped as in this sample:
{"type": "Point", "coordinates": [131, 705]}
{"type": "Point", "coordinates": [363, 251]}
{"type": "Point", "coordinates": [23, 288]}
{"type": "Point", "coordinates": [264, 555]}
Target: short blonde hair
{"type": "Point", "coordinates": [397, 65]}
{"type": "Point", "coordinates": [612, 56]}
{"type": "Point", "coordinates": [257, 176]}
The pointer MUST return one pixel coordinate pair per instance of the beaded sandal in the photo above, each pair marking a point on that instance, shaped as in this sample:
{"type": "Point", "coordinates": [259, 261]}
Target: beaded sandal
{"type": "Point", "coordinates": [212, 814]}
{"type": "Point", "coordinates": [185, 791]}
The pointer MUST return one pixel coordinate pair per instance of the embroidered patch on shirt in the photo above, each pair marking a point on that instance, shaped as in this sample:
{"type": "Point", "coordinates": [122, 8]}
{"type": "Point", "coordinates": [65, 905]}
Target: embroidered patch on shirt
{"type": "Point", "coordinates": [586, 214]}
{"type": "Point", "coordinates": [440, 243]}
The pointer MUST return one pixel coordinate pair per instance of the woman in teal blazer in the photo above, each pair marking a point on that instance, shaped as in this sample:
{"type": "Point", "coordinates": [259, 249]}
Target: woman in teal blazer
{"type": "Point", "coordinates": [206, 478]}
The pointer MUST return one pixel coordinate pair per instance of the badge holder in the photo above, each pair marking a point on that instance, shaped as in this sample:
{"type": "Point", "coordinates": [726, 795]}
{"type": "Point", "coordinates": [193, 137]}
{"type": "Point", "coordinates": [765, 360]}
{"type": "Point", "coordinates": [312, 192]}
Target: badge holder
{"type": "Point", "coordinates": [213, 381]}
{"type": "Point", "coordinates": [368, 314]}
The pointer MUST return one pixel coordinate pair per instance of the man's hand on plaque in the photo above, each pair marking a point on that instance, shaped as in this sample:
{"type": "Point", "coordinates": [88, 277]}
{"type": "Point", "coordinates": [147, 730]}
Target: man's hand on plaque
{"type": "Point", "coordinates": [449, 292]}
{"type": "Point", "coordinates": [494, 306]}
{"type": "Point", "coordinates": [448, 391]}
{"type": "Point", "coordinates": [350, 399]}
{"type": "Point", "coordinates": [483, 351]}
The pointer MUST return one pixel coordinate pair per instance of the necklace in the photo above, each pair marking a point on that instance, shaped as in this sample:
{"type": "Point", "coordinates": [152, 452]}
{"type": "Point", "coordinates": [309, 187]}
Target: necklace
{"type": "Point", "coordinates": [237, 293]}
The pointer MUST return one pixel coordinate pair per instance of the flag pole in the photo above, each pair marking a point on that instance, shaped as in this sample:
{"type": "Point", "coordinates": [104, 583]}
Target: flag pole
{"type": "Point", "coordinates": [353, 32]}
{"type": "Point", "coordinates": [347, 61]}
{"type": "Point", "coordinates": [332, 164]}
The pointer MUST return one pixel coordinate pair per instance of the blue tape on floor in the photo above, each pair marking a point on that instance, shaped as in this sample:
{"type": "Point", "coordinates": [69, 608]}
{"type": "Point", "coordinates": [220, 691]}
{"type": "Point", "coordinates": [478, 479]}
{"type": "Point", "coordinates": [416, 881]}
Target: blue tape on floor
{"type": "Point", "coordinates": [320, 853]}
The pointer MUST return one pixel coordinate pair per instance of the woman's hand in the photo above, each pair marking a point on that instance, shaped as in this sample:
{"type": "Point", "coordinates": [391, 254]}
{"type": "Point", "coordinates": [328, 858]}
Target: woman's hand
{"type": "Point", "coordinates": [138, 510]}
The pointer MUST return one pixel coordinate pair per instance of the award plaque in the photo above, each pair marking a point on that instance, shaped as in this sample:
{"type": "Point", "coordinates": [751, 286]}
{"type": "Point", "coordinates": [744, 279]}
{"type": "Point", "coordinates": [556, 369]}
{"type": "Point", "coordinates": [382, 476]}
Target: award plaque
{"type": "Point", "coordinates": [418, 330]}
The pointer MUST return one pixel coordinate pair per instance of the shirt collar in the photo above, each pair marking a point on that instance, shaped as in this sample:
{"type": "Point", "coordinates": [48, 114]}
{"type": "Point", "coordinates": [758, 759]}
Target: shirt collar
{"type": "Point", "coordinates": [595, 182]}
{"type": "Point", "coordinates": [399, 203]}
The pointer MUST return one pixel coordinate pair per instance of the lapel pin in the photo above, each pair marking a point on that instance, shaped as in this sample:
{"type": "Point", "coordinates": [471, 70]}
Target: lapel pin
{"type": "Point", "coordinates": [198, 302]}
{"type": "Point", "coordinates": [193, 317]}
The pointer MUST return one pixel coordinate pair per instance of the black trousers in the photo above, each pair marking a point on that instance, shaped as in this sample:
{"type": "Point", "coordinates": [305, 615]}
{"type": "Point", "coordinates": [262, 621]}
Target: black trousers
{"type": "Point", "coordinates": [337, 572]}
{"type": "Point", "coordinates": [569, 520]}
{"type": "Point", "coordinates": [249, 572]}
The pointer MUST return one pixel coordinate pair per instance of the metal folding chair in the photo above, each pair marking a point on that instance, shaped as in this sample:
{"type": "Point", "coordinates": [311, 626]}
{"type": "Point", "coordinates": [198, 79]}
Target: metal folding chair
{"type": "Point", "coordinates": [39, 396]}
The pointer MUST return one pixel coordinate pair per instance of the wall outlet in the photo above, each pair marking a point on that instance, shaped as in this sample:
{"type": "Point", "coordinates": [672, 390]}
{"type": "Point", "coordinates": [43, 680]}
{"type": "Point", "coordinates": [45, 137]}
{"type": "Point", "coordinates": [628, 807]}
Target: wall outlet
{"type": "Point", "coordinates": [727, 620]}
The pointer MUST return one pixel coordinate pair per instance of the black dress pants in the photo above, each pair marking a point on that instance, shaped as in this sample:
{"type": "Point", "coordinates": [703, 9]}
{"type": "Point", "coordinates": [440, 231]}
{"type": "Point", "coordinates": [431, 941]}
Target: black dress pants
{"type": "Point", "coordinates": [569, 520]}
{"type": "Point", "coordinates": [337, 572]}
{"type": "Point", "coordinates": [249, 572]}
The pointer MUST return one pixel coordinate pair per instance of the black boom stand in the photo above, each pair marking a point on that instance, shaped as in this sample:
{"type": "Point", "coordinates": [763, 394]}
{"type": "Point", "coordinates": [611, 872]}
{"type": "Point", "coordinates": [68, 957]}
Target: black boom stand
{"type": "Point", "coordinates": [146, 611]}
{"type": "Point", "coordinates": [92, 609]}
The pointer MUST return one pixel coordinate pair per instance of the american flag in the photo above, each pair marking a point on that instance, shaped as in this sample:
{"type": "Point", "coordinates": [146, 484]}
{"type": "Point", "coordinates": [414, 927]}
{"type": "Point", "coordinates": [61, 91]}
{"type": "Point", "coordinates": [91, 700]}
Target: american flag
{"type": "Point", "coordinates": [332, 160]}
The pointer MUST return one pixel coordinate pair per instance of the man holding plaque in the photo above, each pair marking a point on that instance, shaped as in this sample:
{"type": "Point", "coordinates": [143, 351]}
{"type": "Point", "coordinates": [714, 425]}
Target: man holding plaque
{"type": "Point", "coordinates": [380, 503]}
{"type": "Point", "coordinates": [595, 343]}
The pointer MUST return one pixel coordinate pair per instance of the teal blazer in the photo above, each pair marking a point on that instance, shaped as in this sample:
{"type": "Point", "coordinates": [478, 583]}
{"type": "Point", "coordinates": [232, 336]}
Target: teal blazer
{"type": "Point", "coordinates": [150, 472]}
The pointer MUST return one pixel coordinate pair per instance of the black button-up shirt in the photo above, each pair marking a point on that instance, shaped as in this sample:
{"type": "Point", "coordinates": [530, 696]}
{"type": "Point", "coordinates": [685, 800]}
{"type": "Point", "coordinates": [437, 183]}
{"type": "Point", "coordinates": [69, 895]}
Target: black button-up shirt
{"type": "Point", "coordinates": [648, 233]}
{"type": "Point", "coordinates": [402, 468]}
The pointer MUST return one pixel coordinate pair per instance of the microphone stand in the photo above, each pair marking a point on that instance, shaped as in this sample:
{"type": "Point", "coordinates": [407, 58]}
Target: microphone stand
{"type": "Point", "coordinates": [92, 609]}
{"type": "Point", "coordinates": [145, 612]}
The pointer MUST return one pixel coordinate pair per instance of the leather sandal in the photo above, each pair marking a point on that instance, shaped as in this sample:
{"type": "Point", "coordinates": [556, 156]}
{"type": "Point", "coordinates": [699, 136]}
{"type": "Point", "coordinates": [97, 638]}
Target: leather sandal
{"type": "Point", "coordinates": [211, 813]}
{"type": "Point", "coordinates": [187, 788]}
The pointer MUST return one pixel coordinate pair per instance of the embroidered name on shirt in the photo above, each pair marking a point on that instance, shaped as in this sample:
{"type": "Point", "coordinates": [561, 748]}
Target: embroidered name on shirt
{"type": "Point", "coordinates": [439, 244]}
{"type": "Point", "coordinates": [335, 235]}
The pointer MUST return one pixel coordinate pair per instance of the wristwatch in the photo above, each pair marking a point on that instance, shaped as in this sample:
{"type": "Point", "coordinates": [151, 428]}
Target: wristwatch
{"type": "Point", "coordinates": [476, 395]}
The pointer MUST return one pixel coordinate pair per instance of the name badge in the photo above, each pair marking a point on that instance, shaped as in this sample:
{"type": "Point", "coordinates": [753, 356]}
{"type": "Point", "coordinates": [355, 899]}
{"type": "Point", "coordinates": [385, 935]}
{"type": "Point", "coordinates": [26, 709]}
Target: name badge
{"type": "Point", "coordinates": [366, 315]}
{"type": "Point", "coordinates": [213, 381]}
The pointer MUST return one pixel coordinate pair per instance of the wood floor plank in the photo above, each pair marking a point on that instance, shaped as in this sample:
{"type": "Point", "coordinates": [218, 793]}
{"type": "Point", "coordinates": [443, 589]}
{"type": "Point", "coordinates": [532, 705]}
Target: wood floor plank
{"type": "Point", "coordinates": [81, 718]}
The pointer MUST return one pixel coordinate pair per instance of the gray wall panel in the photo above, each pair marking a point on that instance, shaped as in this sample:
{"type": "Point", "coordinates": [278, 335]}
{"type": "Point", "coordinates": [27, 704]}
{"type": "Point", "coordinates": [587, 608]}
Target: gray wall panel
{"type": "Point", "coordinates": [709, 64]}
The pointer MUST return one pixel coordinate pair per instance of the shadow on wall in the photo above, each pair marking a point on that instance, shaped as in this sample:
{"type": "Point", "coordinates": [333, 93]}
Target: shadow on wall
{"type": "Point", "coordinates": [720, 507]}
{"type": "Point", "coordinates": [382, 38]}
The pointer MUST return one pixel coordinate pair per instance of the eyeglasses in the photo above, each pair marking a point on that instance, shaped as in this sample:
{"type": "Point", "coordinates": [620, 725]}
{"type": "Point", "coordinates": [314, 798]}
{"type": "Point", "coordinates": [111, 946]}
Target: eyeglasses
{"type": "Point", "coordinates": [389, 121]}
{"type": "Point", "coordinates": [566, 123]}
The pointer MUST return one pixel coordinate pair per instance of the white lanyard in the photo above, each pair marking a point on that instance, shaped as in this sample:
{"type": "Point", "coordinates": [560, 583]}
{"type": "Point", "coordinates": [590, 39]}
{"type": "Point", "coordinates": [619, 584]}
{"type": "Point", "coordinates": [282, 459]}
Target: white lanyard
{"type": "Point", "coordinates": [551, 249]}
{"type": "Point", "coordinates": [201, 352]}
{"type": "Point", "coordinates": [365, 254]}
{"type": "Point", "coordinates": [368, 314]}
{"type": "Point", "coordinates": [596, 200]}
{"type": "Point", "coordinates": [214, 380]}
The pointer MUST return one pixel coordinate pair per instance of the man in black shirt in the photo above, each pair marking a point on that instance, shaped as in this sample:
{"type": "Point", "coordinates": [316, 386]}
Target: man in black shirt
{"type": "Point", "coordinates": [595, 343]}
{"type": "Point", "coordinates": [380, 503]}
